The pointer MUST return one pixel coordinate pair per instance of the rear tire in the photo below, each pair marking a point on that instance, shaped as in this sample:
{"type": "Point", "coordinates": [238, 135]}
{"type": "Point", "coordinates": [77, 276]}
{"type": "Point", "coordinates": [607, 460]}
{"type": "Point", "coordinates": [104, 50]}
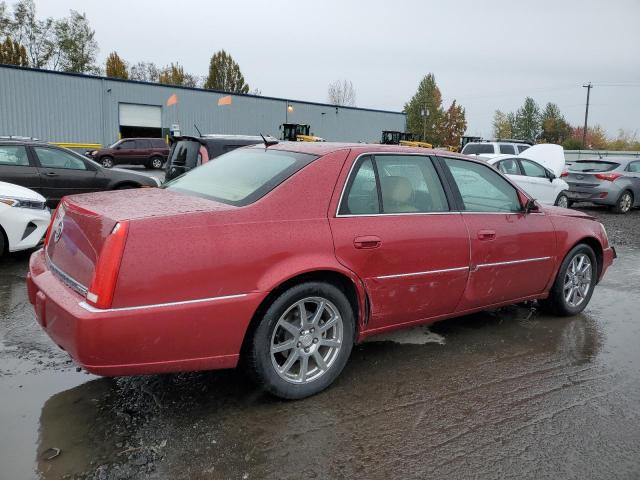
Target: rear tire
{"type": "Point", "coordinates": [107, 162]}
{"type": "Point", "coordinates": [563, 201]}
{"type": "Point", "coordinates": [292, 358]}
{"type": "Point", "coordinates": [574, 284]}
{"type": "Point", "coordinates": [624, 202]}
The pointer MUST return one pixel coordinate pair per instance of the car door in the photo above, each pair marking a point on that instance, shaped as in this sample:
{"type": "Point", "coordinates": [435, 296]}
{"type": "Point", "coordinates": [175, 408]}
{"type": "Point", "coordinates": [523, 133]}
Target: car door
{"type": "Point", "coordinates": [125, 152]}
{"type": "Point", "coordinates": [143, 151]}
{"type": "Point", "coordinates": [511, 251]}
{"type": "Point", "coordinates": [63, 173]}
{"type": "Point", "coordinates": [538, 182]}
{"type": "Point", "coordinates": [16, 167]}
{"type": "Point", "coordinates": [395, 230]}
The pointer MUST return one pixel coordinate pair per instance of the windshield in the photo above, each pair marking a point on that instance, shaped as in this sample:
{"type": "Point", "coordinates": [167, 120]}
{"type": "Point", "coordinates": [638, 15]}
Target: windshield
{"type": "Point", "coordinates": [242, 176]}
{"type": "Point", "coordinates": [477, 148]}
{"type": "Point", "coordinates": [592, 166]}
{"type": "Point", "coordinates": [114, 144]}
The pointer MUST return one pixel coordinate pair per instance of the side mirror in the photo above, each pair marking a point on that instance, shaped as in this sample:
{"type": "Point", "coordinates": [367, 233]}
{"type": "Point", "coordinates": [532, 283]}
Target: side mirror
{"type": "Point", "coordinates": [117, 147]}
{"type": "Point", "coordinates": [551, 176]}
{"type": "Point", "coordinates": [531, 206]}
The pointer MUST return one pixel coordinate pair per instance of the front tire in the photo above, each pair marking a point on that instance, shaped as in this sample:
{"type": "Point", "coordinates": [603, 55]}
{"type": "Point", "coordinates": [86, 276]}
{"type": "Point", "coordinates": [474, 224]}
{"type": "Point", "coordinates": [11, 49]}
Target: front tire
{"type": "Point", "coordinates": [574, 284]}
{"type": "Point", "coordinates": [155, 163]}
{"type": "Point", "coordinates": [624, 203]}
{"type": "Point", "coordinates": [563, 201]}
{"type": "Point", "coordinates": [303, 341]}
{"type": "Point", "coordinates": [107, 162]}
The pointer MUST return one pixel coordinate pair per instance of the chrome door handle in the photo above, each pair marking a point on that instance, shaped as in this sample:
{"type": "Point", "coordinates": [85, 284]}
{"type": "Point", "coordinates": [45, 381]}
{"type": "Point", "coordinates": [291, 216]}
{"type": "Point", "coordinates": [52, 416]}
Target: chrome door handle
{"type": "Point", "coordinates": [367, 242]}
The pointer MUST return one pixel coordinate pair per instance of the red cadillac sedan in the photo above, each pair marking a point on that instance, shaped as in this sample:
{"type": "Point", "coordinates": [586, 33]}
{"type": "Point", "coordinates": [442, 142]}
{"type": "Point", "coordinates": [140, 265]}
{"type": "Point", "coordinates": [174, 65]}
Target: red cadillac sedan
{"type": "Point", "coordinates": [283, 256]}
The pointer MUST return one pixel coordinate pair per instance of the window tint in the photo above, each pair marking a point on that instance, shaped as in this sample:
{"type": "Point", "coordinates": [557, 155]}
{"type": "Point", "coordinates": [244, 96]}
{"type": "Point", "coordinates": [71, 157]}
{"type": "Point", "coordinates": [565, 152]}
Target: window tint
{"type": "Point", "coordinates": [158, 143]}
{"type": "Point", "coordinates": [240, 177]}
{"type": "Point", "coordinates": [507, 148]}
{"type": "Point", "coordinates": [13, 156]}
{"type": "Point", "coordinates": [128, 144]}
{"type": "Point", "coordinates": [362, 198]}
{"type": "Point", "coordinates": [409, 183]}
{"type": "Point", "coordinates": [53, 158]}
{"type": "Point", "coordinates": [593, 166]}
{"type": "Point", "coordinates": [228, 148]}
{"type": "Point", "coordinates": [477, 148]}
{"type": "Point", "coordinates": [143, 144]}
{"type": "Point", "coordinates": [532, 169]}
{"type": "Point", "coordinates": [522, 148]}
{"type": "Point", "coordinates": [634, 167]}
{"type": "Point", "coordinates": [509, 166]}
{"type": "Point", "coordinates": [482, 188]}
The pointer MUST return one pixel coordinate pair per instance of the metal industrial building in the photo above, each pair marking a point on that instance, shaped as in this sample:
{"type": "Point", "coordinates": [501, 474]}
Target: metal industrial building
{"type": "Point", "coordinates": [75, 108]}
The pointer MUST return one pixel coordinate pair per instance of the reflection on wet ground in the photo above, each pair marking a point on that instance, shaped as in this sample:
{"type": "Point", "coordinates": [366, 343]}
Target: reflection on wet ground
{"type": "Point", "coordinates": [511, 393]}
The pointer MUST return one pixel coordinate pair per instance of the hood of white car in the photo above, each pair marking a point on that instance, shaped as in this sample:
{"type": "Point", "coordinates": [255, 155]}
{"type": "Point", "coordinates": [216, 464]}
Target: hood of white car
{"type": "Point", "coordinates": [16, 191]}
{"type": "Point", "coordinates": [548, 155]}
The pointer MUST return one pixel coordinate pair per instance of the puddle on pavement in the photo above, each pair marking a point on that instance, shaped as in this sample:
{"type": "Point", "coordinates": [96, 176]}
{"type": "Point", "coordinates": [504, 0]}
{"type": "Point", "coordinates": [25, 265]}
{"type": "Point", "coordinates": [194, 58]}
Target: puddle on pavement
{"type": "Point", "coordinates": [503, 393]}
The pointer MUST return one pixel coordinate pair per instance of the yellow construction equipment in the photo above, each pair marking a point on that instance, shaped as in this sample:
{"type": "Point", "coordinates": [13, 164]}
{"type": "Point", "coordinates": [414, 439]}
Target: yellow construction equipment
{"type": "Point", "coordinates": [297, 132]}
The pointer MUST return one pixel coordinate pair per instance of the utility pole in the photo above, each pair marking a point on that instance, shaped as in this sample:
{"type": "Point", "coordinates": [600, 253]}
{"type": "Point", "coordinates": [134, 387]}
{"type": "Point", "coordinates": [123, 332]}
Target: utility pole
{"type": "Point", "coordinates": [588, 86]}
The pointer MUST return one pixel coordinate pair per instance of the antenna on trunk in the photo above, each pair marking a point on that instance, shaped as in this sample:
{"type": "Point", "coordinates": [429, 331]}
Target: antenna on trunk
{"type": "Point", "coordinates": [268, 143]}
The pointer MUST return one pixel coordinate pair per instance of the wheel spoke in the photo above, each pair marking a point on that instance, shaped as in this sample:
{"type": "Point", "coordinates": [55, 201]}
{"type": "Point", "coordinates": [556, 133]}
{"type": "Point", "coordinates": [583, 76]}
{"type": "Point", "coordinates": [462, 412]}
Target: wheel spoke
{"type": "Point", "coordinates": [284, 346]}
{"type": "Point", "coordinates": [330, 343]}
{"type": "Point", "coordinates": [290, 361]}
{"type": "Point", "coordinates": [292, 329]}
{"type": "Point", "coordinates": [304, 368]}
{"type": "Point", "coordinates": [328, 324]}
{"type": "Point", "coordinates": [302, 312]}
{"type": "Point", "coordinates": [322, 365]}
{"type": "Point", "coordinates": [318, 314]}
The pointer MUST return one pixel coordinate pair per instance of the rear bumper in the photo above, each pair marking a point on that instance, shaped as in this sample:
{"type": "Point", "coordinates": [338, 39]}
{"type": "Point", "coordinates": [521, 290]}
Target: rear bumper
{"type": "Point", "coordinates": [605, 194]}
{"type": "Point", "coordinates": [203, 335]}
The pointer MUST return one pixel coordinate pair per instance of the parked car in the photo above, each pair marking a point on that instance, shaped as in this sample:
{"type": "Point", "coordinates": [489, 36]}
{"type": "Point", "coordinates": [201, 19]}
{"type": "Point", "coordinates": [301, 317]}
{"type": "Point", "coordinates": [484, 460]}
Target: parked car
{"type": "Point", "coordinates": [150, 152]}
{"type": "Point", "coordinates": [55, 172]}
{"type": "Point", "coordinates": [614, 182]}
{"type": "Point", "coordinates": [189, 152]}
{"type": "Point", "coordinates": [489, 149]}
{"type": "Point", "coordinates": [538, 172]}
{"type": "Point", "coordinates": [24, 218]}
{"type": "Point", "coordinates": [296, 251]}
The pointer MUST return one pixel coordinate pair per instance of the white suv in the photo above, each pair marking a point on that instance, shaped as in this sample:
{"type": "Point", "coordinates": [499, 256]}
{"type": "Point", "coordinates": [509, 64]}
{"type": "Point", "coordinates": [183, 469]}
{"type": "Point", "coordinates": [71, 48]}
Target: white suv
{"type": "Point", "coordinates": [491, 149]}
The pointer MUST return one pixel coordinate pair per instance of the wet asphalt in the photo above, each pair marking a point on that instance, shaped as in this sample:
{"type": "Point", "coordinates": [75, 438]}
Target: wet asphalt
{"type": "Point", "coordinates": [505, 394]}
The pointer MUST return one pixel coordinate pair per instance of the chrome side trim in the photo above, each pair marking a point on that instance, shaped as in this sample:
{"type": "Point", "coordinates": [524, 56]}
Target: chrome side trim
{"type": "Point", "coordinates": [93, 309]}
{"type": "Point", "coordinates": [66, 279]}
{"type": "Point", "coordinates": [350, 215]}
{"type": "Point", "coordinates": [427, 272]}
{"type": "Point", "coordinates": [512, 262]}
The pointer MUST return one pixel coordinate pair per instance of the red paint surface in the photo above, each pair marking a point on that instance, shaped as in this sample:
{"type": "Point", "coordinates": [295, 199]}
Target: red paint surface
{"type": "Point", "coordinates": [181, 248]}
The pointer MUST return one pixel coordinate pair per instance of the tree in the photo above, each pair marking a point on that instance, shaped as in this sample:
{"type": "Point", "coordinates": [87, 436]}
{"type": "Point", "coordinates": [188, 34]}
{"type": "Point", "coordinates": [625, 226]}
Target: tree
{"type": "Point", "coordinates": [555, 128]}
{"type": "Point", "coordinates": [342, 93]}
{"type": "Point", "coordinates": [501, 125]}
{"type": "Point", "coordinates": [37, 36]}
{"type": "Point", "coordinates": [527, 121]}
{"type": "Point", "coordinates": [115, 67]}
{"type": "Point", "coordinates": [76, 44]}
{"type": "Point", "coordinates": [453, 125]}
{"type": "Point", "coordinates": [144, 72]}
{"type": "Point", "coordinates": [225, 74]}
{"type": "Point", "coordinates": [424, 111]}
{"type": "Point", "coordinates": [175, 75]}
{"type": "Point", "coordinates": [12, 53]}
{"type": "Point", "coordinates": [596, 138]}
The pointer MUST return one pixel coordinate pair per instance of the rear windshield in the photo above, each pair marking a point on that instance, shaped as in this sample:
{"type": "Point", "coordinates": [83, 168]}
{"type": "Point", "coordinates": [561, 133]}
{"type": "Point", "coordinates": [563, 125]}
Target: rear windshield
{"type": "Point", "coordinates": [477, 148]}
{"type": "Point", "coordinates": [242, 176]}
{"type": "Point", "coordinates": [592, 166]}
{"type": "Point", "coordinates": [184, 154]}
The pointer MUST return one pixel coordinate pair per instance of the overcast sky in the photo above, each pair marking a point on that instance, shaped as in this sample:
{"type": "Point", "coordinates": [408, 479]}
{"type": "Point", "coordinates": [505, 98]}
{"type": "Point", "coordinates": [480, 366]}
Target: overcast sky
{"type": "Point", "coordinates": [485, 54]}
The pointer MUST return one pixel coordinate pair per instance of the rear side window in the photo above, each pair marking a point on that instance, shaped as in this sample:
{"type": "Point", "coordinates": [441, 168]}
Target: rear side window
{"type": "Point", "coordinates": [240, 177]}
{"type": "Point", "coordinates": [143, 144]}
{"type": "Point", "coordinates": [593, 166]}
{"type": "Point", "coordinates": [532, 169]}
{"type": "Point", "coordinates": [482, 189]}
{"type": "Point", "coordinates": [14, 156]}
{"type": "Point", "coordinates": [392, 184]}
{"type": "Point", "coordinates": [507, 148]}
{"type": "Point", "coordinates": [477, 148]}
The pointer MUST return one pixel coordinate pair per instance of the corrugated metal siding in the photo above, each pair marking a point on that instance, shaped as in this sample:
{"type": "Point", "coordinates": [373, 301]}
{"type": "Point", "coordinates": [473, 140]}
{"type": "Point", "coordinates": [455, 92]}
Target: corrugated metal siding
{"type": "Point", "coordinates": [69, 108]}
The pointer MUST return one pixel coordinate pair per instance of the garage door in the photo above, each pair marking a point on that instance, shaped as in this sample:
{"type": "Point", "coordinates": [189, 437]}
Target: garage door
{"type": "Point", "coordinates": [133, 115]}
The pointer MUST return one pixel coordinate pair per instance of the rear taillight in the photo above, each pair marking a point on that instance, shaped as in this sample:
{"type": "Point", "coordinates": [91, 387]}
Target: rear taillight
{"type": "Point", "coordinates": [565, 173]}
{"type": "Point", "coordinates": [610, 177]}
{"type": "Point", "coordinates": [105, 277]}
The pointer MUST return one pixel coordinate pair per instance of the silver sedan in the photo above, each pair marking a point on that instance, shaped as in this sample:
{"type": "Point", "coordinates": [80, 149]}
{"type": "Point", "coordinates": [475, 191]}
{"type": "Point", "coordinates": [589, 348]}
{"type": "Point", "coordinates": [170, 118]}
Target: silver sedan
{"type": "Point", "coordinates": [613, 182]}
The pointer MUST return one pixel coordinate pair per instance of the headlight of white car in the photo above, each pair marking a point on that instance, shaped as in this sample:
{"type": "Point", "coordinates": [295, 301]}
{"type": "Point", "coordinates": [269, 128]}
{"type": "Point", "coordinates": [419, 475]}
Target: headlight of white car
{"type": "Point", "coordinates": [22, 203]}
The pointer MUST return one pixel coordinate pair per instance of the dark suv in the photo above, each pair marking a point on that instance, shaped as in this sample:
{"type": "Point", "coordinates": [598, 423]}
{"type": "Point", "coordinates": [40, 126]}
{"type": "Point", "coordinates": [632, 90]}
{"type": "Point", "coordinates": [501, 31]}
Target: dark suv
{"type": "Point", "coordinates": [55, 172]}
{"type": "Point", "coordinates": [150, 152]}
{"type": "Point", "coordinates": [190, 152]}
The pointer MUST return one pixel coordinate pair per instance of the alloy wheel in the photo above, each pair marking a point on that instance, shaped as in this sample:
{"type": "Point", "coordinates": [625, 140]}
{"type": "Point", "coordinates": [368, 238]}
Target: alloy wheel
{"type": "Point", "coordinates": [156, 163]}
{"type": "Point", "coordinates": [625, 202]}
{"type": "Point", "coordinates": [107, 162]}
{"type": "Point", "coordinates": [306, 340]}
{"type": "Point", "coordinates": [577, 280]}
{"type": "Point", "coordinates": [563, 201]}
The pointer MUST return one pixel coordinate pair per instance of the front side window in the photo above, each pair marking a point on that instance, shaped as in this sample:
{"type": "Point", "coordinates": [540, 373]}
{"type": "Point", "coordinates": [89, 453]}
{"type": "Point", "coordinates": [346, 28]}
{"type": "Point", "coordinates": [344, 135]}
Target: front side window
{"type": "Point", "coordinates": [507, 148]}
{"type": "Point", "coordinates": [532, 169]}
{"type": "Point", "coordinates": [482, 189]}
{"type": "Point", "coordinates": [240, 177]}
{"type": "Point", "coordinates": [128, 144]}
{"type": "Point", "coordinates": [53, 158]}
{"type": "Point", "coordinates": [392, 184]}
{"type": "Point", "coordinates": [14, 156]}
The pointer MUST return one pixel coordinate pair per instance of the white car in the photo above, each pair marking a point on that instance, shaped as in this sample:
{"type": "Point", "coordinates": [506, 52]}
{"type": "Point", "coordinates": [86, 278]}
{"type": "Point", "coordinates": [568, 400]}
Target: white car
{"type": "Point", "coordinates": [24, 218]}
{"type": "Point", "coordinates": [538, 172]}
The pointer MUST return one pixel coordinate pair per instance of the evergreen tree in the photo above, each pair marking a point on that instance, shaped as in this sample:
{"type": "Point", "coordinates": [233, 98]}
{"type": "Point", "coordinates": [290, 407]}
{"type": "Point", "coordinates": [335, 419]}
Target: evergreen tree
{"type": "Point", "coordinates": [527, 121]}
{"type": "Point", "coordinates": [225, 74]}
{"type": "Point", "coordinates": [555, 128]}
{"type": "Point", "coordinates": [424, 112]}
